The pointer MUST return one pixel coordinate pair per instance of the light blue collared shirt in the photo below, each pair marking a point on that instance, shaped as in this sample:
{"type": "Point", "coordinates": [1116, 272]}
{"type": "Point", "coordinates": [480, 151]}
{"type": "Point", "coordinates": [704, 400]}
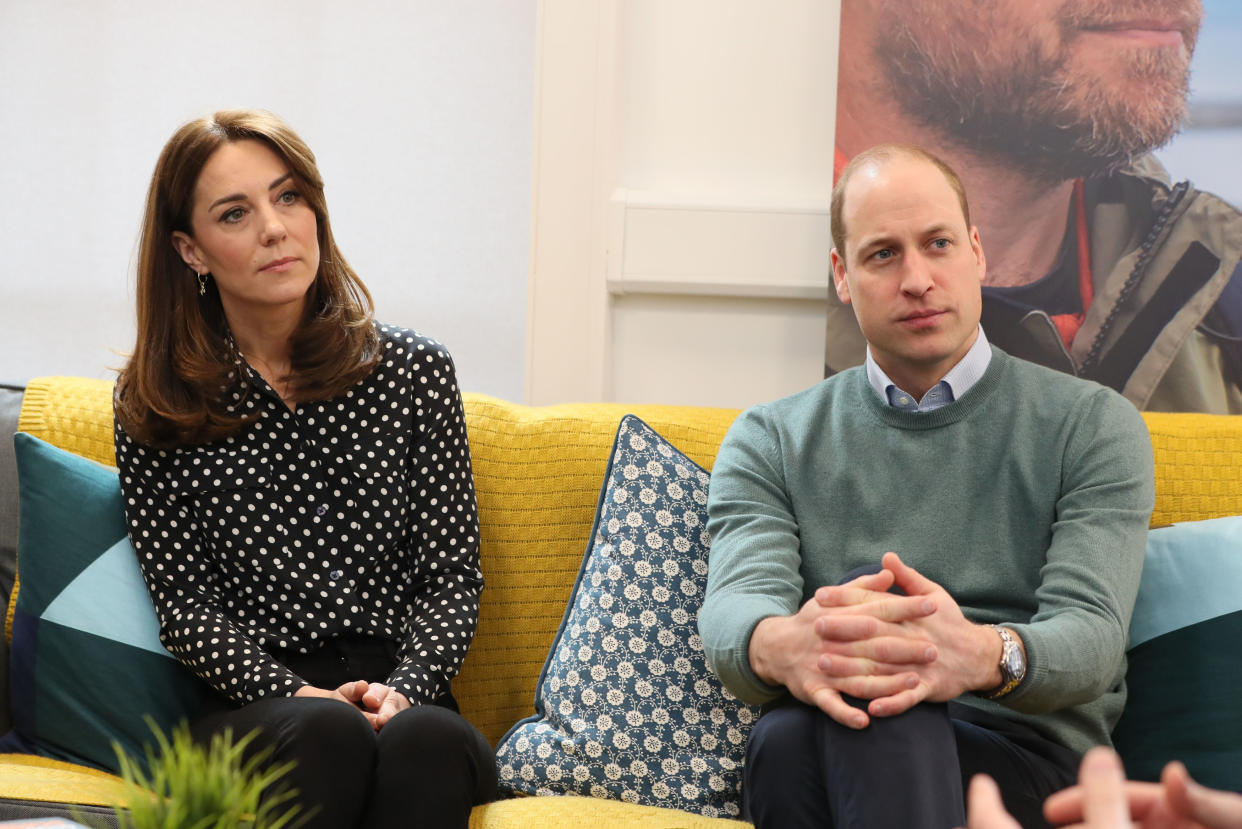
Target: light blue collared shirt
{"type": "Point", "coordinates": [954, 384]}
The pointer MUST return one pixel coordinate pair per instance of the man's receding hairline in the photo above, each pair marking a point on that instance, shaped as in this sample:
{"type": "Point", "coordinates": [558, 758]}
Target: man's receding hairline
{"type": "Point", "coordinates": [876, 157]}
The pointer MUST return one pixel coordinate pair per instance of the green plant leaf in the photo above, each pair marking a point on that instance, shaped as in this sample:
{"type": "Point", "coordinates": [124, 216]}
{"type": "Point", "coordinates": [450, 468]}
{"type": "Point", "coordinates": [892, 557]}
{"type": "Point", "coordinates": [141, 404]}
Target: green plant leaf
{"type": "Point", "coordinates": [190, 786]}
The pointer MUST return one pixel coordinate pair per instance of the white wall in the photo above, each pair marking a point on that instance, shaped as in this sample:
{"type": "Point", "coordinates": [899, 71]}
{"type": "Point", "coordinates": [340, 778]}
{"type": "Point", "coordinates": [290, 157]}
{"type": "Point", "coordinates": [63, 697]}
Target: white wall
{"type": "Point", "coordinates": [420, 113]}
{"type": "Point", "coordinates": [682, 181]}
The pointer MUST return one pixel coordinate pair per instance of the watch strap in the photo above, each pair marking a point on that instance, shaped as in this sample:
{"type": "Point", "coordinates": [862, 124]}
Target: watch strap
{"type": "Point", "coordinates": [1009, 680]}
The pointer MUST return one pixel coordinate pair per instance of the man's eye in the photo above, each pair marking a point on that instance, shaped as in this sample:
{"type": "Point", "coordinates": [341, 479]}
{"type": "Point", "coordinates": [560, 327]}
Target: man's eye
{"type": "Point", "coordinates": [883, 254]}
{"type": "Point", "coordinates": [941, 243]}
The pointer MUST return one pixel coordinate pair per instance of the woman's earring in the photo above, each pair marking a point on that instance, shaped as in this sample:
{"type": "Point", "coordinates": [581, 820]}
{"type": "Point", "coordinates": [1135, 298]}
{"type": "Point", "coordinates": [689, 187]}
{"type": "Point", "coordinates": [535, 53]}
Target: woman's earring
{"type": "Point", "coordinates": [202, 283]}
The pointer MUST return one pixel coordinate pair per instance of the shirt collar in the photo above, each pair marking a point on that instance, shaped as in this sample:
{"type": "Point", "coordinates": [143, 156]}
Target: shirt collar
{"type": "Point", "coordinates": [959, 379]}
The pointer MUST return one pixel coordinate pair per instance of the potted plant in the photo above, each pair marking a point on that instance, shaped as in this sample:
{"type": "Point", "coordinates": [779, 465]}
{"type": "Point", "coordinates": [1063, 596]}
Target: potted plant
{"type": "Point", "coordinates": [189, 786]}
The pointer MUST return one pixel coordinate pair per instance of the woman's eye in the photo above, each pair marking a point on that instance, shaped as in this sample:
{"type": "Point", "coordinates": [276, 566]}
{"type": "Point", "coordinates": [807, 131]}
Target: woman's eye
{"type": "Point", "coordinates": [232, 216]}
{"type": "Point", "coordinates": [289, 197]}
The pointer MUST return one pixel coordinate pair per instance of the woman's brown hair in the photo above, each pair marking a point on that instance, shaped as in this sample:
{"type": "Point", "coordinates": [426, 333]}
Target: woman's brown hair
{"type": "Point", "coordinates": [170, 392]}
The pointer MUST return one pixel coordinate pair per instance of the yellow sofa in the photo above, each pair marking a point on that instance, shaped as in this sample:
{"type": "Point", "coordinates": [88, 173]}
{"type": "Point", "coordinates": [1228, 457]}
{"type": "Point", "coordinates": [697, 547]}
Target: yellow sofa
{"type": "Point", "coordinates": [537, 473]}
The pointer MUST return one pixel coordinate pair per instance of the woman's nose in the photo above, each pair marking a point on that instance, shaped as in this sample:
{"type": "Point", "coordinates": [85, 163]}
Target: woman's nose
{"type": "Point", "coordinates": [273, 226]}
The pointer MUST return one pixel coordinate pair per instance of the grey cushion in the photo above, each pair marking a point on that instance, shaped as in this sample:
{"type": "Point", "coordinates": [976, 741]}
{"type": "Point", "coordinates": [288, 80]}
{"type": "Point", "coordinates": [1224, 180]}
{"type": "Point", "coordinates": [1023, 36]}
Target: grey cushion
{"type": "Point", "coordinates": [10, 407]}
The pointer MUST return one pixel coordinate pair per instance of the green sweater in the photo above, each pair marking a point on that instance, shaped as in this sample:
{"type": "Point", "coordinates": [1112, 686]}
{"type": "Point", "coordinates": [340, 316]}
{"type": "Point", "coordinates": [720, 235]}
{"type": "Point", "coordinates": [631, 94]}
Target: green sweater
{"type": "Point", "coordinates": [1027, 499]}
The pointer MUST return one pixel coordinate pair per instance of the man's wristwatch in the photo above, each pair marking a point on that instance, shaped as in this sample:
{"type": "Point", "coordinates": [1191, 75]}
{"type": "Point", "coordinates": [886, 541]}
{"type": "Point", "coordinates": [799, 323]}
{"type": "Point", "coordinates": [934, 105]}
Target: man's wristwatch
{"type": "Point", "coordinates": [1012, 665]}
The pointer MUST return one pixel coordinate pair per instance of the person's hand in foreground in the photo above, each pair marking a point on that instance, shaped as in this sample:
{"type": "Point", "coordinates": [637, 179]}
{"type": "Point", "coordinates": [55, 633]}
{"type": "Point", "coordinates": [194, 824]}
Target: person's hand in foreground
{"type": "Point", "coordinates": [1104, 799]}
{"type": "Point", "coordinates": [984, 809]}
{"type": "Point", "coordinates": [1176, 802]}
{"type": "Point", "coordinates": [1101, 801]}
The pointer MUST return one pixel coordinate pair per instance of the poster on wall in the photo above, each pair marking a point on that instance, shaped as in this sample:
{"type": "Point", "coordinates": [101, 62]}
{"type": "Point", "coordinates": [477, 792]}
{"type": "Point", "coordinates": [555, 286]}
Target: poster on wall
{"type": "Point", "coordinates": [1097, 141]}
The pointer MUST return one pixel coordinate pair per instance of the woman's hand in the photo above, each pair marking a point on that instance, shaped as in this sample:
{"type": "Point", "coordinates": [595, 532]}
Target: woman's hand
{"type": "Point", "coordinates": [349, 692]}
{"type": "Point", "coordinates": [382, 703]}
{"type": "Point", "coordinates": [376, 701]}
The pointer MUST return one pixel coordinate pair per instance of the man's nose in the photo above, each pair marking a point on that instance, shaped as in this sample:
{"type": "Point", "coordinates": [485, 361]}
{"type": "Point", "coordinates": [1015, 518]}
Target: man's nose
{"type": "Point", "coordinates": [916, 278]}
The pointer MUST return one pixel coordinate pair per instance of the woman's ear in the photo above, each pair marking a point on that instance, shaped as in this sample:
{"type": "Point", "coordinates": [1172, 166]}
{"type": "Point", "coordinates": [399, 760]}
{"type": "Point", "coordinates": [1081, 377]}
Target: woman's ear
{"type": "Point", "coordinates": [188, 251]}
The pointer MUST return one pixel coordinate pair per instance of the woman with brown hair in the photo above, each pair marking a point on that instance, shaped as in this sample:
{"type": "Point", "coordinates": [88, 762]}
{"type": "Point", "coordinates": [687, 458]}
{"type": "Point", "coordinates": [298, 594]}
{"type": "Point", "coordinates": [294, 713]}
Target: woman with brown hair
{"type": "Point", "coordinates": [297, 485]}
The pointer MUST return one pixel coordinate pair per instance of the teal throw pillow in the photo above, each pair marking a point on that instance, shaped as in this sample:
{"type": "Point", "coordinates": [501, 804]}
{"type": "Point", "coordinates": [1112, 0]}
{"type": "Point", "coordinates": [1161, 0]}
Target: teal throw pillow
{"type": "Point", "coordinates": [1184, 672]}
{"type": "Point", "coordinates": [626, 707]}
{"type": "Point", "coordinates": [86, 663]}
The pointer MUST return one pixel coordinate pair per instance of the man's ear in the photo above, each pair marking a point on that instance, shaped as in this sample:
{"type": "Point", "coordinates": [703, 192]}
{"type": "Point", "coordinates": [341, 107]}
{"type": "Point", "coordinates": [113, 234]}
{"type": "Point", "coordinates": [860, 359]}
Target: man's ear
{"type": "Point", "coordinates": [977, 247]}
{"type": "Point", "coordinates": [185, 247]}
{"type": "Point", "coordinates": [838, 277]}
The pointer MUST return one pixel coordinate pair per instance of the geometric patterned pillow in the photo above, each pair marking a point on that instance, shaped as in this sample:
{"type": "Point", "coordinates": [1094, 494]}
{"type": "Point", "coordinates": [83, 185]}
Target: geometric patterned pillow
{"type": "Point", "coordinates": [86, 661]}
{"type": "Point", "coordinates": [1184, 672]}
{"type": "Point", "coordinates": [626, 707]}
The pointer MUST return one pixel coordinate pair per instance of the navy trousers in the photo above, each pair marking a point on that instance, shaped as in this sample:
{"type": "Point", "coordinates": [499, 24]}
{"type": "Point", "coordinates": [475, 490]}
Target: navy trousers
{"type": "Point", "coordinates": [911, 771]}
{"type": "Point", "coordinates": [804, 770]}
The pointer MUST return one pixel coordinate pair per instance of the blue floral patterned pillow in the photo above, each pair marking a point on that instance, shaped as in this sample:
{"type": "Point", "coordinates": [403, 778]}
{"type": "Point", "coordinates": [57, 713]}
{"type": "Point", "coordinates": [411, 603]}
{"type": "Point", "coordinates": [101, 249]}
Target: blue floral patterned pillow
{"type": "Point", "coordinates": [626, 706]}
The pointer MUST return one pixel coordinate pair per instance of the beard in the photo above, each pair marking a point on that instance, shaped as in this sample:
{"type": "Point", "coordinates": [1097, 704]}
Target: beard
{"type": "Point", "coordinates": [1034, 102]}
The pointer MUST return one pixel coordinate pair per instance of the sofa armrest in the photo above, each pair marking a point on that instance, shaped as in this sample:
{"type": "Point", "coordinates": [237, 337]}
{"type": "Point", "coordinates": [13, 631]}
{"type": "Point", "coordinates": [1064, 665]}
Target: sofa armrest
{"type": "Point", "coordinates": [10, 408]}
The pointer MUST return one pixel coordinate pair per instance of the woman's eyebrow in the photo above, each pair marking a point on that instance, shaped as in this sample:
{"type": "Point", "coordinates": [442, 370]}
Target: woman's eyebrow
{"type": "Point", "coordinates": [242, 196]}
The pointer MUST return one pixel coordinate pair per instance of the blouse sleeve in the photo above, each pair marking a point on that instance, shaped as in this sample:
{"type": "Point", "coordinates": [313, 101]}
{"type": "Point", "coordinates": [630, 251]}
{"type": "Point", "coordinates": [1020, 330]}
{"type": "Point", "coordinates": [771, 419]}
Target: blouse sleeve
{"type": "Point", "coordinates": [443, 533]}
{"type": "Point", "coordinates": [184, 583]}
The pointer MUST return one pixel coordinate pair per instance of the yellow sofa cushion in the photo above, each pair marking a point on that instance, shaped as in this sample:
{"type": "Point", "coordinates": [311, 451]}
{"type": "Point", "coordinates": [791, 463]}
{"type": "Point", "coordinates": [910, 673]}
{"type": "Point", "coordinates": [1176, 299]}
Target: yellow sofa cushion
{"type": "Point", "coordinates": [1198, 466]}
{"type": "Point", "coordinates": [596, 813]}
{"type": "Point", "coordinates": [41, 779]}
{"type": "Point", "coordinates": [538, 473]}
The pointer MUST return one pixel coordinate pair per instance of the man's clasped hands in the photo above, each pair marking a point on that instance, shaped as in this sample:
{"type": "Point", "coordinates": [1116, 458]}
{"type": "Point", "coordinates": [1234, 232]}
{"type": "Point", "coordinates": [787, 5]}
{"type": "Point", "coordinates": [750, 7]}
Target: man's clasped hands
{"type": "Point", "coordinates": [860, 640]}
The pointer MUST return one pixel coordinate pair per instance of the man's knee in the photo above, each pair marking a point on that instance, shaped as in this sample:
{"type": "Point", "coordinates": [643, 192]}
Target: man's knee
{"type": "Point", "coordinates": [785, 731]}
{"type": "Point", "coordinates": [781, 781]}
{"type": "Point", "coordinates": [802, 765]}
{"type": "Point", "coordinates": [799, 730]}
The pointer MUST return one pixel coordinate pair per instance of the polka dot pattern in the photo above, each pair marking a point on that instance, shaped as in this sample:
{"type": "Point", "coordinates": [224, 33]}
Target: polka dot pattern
{"type": "Point", "coordinates": [352, 515]}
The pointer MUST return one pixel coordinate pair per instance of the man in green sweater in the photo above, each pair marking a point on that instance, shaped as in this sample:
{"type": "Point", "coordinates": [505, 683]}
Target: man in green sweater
{"type": "Point", "coordinates": [923, 566]}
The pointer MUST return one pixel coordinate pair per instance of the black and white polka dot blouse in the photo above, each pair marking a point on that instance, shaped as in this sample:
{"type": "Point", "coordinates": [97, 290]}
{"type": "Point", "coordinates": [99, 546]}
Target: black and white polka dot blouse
{"type": "Point", "coordinates": [352, 515]}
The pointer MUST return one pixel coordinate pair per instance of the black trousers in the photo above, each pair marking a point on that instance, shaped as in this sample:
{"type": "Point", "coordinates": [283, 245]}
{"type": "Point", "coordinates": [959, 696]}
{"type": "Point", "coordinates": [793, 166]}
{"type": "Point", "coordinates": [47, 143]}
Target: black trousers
{"type": "Point", "coordinates": [804, 770]}
{"type": "Point", "coordinates": [426, 768]}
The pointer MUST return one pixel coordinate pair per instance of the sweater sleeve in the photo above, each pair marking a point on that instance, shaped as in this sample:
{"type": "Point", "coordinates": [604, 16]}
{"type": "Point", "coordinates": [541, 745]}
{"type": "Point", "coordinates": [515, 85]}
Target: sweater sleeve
{"type": "Point", "coordinates": [1076, 640]}
{"type": "Point", "coordinates": [444, 534]}
{"type": "Point", "coordinates": [184, 583]}
{"type": "Point", "coordinates": [754, 561]}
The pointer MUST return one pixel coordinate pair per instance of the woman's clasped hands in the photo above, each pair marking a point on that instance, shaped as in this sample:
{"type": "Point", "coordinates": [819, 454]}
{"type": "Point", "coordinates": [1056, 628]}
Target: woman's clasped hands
{"type": "Point", "coordinates": [377, 702]}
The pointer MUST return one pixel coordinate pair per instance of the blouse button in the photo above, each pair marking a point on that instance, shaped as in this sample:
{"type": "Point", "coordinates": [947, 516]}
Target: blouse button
{"type": "Point", "coordinates": [321, 509]}
{"type": "Point", "coordinates": [335, 574]}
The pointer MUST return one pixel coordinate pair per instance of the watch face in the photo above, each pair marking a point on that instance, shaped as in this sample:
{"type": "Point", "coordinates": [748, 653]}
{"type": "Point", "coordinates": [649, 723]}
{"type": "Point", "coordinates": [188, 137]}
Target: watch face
{"type": "Point", "coordinates": [1015, 665]}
